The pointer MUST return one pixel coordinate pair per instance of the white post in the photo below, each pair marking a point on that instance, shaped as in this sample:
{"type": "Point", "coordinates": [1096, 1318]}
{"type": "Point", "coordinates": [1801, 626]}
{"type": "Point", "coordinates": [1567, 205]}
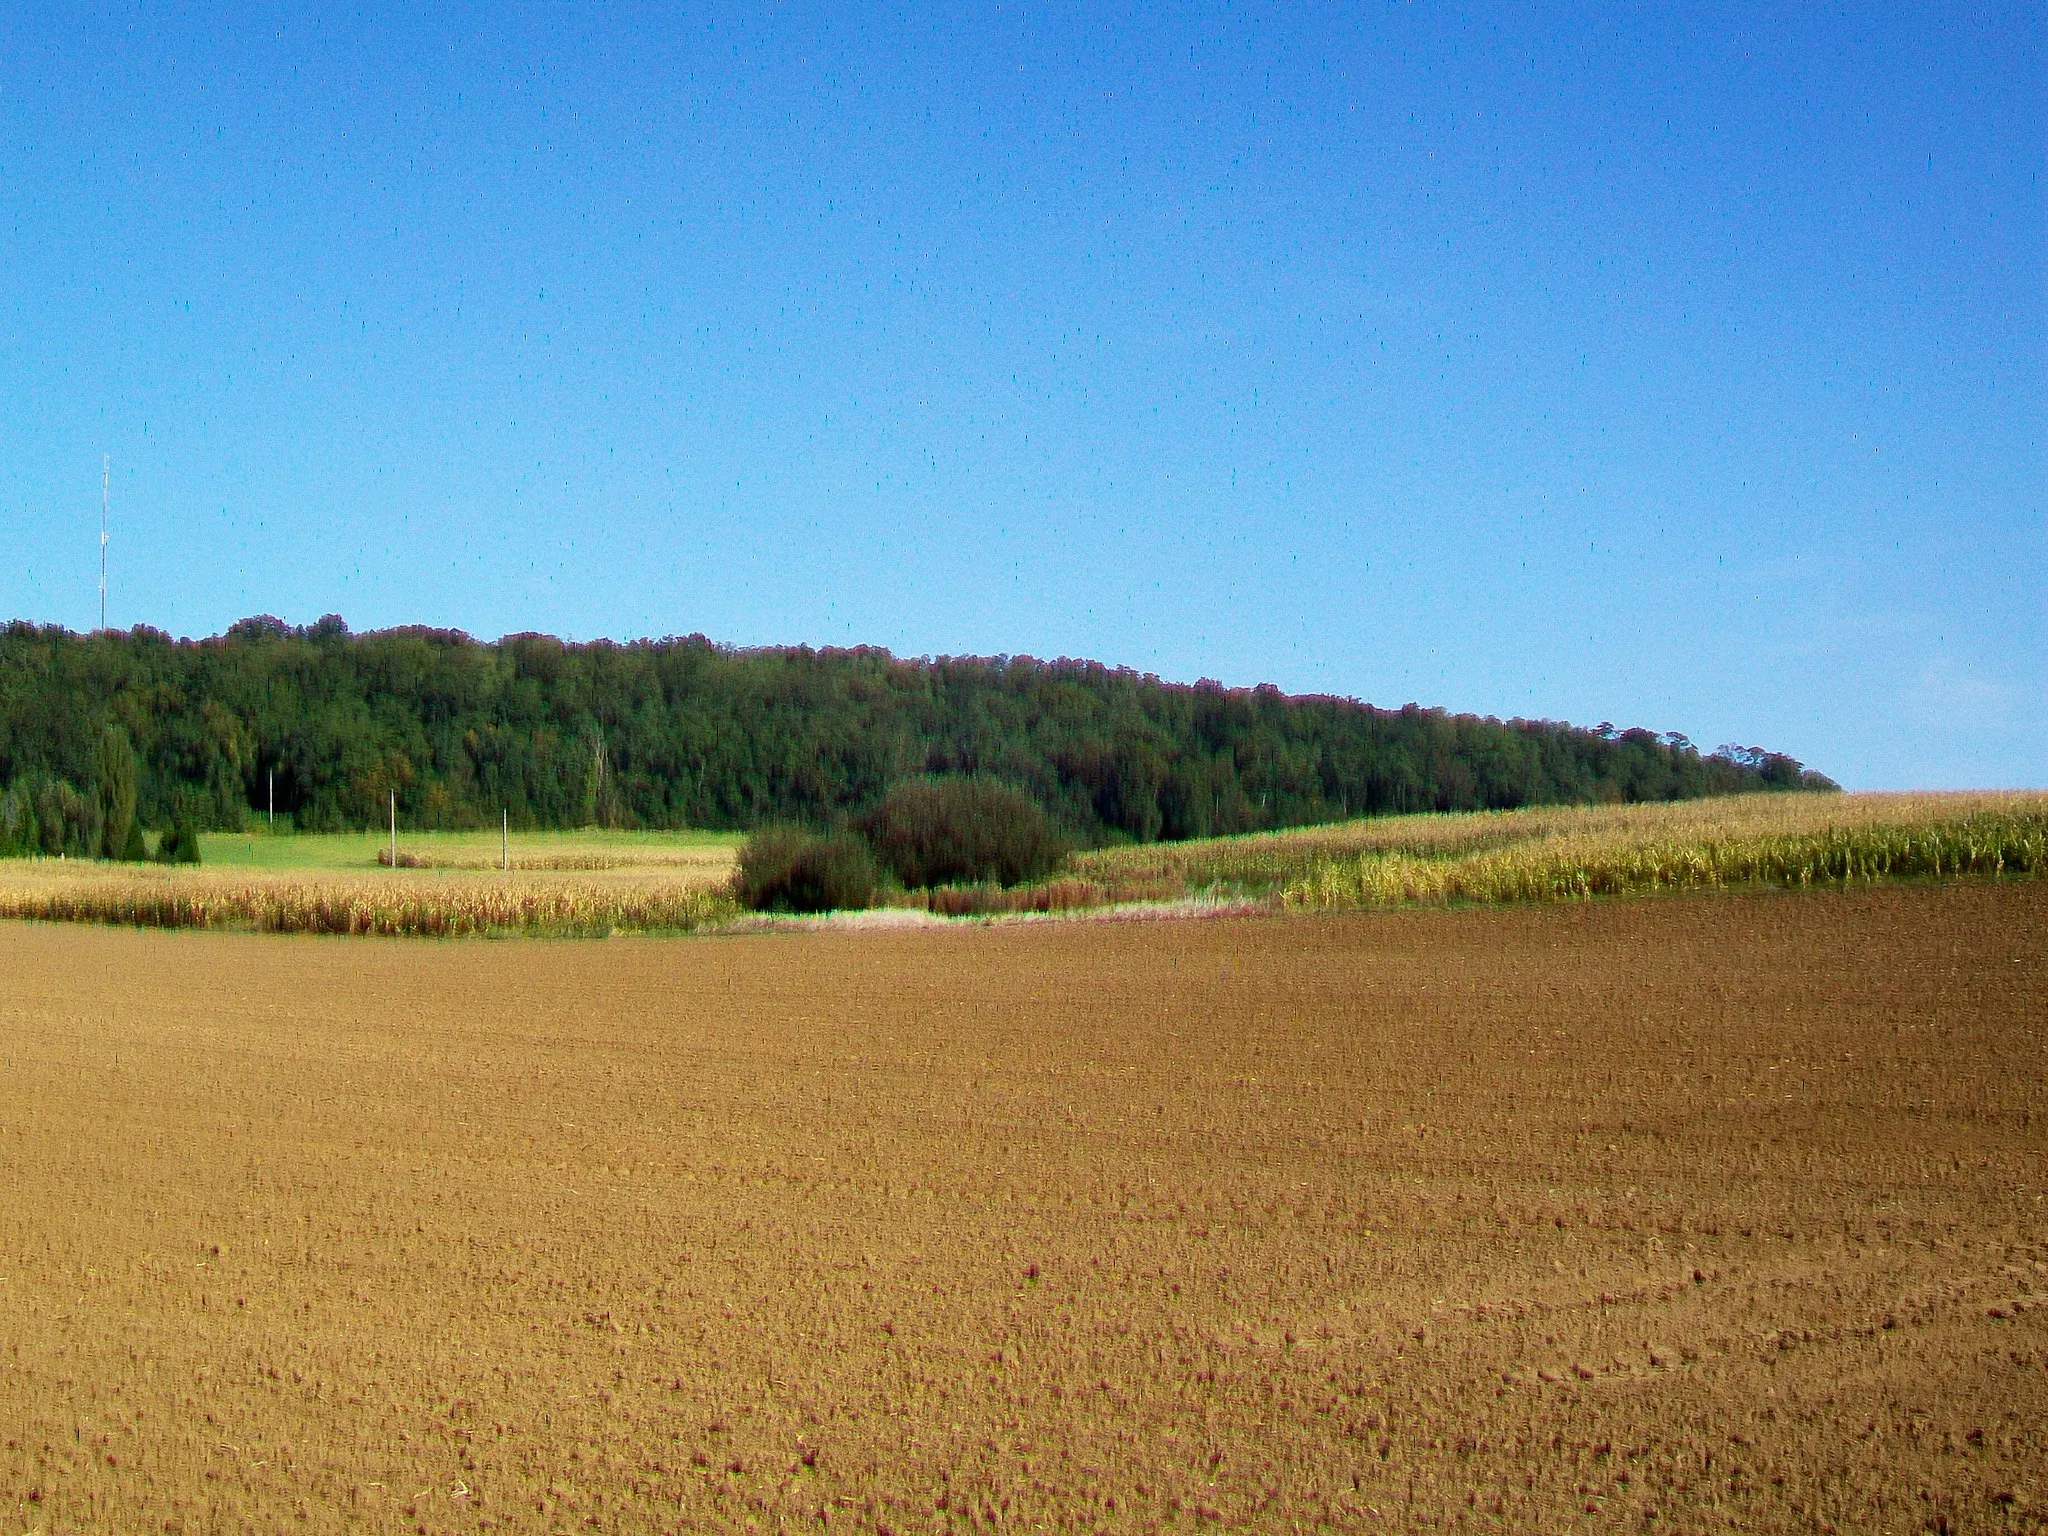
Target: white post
{"type": "Point", "coordinates": [505, 839]}
{"type": "Point", "coordinates": [394, 829]}
{"type": "Point", "coordinates": [273, 799]}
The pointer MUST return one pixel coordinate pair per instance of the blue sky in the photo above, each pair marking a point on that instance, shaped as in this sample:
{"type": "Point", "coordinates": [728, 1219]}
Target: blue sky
{"type": "Point", "coordinates": [1585, 364]}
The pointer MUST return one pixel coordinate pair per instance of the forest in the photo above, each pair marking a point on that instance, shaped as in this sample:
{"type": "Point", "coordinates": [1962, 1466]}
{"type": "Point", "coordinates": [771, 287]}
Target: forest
{"type": "Point", "coordinates": [328, 725]}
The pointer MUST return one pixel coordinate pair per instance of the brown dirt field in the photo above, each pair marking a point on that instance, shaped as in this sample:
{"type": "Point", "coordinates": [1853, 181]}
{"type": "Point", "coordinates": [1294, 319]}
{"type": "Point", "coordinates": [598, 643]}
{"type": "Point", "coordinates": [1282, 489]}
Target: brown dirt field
{"type": "Point", "coordinates": [1688, 1214]}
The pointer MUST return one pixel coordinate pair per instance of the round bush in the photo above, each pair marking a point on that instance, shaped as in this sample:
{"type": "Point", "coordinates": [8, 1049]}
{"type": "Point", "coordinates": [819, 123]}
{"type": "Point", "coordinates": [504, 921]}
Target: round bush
{"type": "Point", "coordinates": [786, 869]}
{"type": "Point", "coordinates": [951, 831]}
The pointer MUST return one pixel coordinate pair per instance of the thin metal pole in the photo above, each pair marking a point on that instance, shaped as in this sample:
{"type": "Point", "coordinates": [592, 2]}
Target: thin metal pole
{"type": "Point", "coordinates": [394, 829]}
{"type": "Point", "coordinates": [505, 839]}
{"type": "Point", "coordinates": [273, 799]}
{"type": "Point", "coordinates": [106, 469]}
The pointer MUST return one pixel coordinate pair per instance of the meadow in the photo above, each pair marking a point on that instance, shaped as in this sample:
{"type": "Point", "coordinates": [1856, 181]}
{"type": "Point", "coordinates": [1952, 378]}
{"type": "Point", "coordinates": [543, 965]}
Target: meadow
{"type": "Point", "coordinates": [1701, 1214]}
{"type": "Point", "coordinates": [706, 855]}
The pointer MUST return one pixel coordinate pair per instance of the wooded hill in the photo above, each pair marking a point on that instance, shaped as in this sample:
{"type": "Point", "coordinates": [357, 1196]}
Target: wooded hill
{"type": "Point", "coordinates": [683, 732]}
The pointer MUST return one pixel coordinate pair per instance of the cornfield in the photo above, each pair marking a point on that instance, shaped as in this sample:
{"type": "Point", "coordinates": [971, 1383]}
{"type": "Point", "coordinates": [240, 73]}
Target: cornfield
{"type": "Point", "coordinates": [335, 904]}
{"type": "Point", "coordinates": [1563, 852]}
{"type": "Point", "coordinates": [1570, 867]}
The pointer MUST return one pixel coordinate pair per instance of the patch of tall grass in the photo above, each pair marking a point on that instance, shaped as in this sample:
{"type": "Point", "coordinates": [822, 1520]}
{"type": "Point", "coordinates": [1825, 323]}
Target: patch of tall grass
{"type": "Point", "coordinates": [1062, 893]}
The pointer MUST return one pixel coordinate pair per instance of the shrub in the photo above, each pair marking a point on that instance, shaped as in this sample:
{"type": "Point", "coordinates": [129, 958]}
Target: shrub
{"type": "Point", "coordinates": [180, 845]}
{"type": "Point", "coordinates": [786, 869]}
{"type": "Point", "coordinates": [953, 831]}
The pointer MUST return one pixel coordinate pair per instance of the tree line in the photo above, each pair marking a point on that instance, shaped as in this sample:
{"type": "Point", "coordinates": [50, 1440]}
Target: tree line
{"type": "Point", "coordinates": [685, 732]}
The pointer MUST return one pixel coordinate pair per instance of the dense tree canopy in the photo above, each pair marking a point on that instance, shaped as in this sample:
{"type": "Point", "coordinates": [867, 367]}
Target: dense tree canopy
{"type": "Point", "coordinates": [683, 732]}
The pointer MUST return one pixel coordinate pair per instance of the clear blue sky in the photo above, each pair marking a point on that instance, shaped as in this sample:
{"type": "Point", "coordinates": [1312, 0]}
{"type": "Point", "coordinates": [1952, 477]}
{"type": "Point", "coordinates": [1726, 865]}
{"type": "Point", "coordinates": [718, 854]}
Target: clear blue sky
{"type": "Point", "coordinates": [1582, 364]}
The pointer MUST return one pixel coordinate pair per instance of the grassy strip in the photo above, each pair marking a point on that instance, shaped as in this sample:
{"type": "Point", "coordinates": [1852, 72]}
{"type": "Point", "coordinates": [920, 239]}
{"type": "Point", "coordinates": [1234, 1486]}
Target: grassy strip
{"type": "Point", "coordinates": [1062, 893]}
{"type": "Point", "coordinates": [396, 910]}
{"type": "Point", "coordinates": [587, 848]}
{"type": "Point", "coordinates": [1572, 868]}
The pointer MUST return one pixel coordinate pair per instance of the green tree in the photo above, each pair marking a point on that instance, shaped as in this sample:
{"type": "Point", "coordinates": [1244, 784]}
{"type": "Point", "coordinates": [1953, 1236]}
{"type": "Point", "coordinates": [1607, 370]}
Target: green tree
{"type": "Point", "coordinates": [180, 845]}
{"type": "Point", "coordinates": [114, 790]}
{"type": "Point", "coordinates": [601, 806]}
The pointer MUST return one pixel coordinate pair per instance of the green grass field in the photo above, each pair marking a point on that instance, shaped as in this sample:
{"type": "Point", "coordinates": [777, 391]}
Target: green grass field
{"type": "Point", "coordinates": [588, 848]}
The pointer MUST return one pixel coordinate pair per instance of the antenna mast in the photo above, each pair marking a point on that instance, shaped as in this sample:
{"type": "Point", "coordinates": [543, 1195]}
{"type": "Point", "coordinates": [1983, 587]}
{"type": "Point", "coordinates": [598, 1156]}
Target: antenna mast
{"type": "Point", "coordinates": [106, 466]}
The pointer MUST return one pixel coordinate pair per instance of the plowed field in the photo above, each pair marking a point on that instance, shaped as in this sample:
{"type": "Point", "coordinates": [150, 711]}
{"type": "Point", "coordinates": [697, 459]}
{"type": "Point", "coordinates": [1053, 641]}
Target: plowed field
{"type": "Point", "coordinates": [1690, 1214]}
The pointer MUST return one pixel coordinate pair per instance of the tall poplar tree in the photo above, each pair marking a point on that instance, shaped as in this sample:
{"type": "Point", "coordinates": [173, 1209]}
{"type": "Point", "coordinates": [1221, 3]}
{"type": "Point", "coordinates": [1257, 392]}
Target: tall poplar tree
{"type": "Point", "coordinates": [114, 789]}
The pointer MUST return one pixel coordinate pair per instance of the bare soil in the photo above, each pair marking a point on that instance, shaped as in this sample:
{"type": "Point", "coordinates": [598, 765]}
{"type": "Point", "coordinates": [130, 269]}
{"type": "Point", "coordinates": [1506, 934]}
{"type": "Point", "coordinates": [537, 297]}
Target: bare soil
{"type": "Point", "coordinates": [1692, 1214]}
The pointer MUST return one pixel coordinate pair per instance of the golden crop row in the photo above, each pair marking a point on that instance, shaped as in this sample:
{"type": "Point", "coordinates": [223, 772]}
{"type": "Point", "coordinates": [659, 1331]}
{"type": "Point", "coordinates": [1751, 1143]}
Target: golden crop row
{"type": "Point", "coordinates": [393, 907]}
{"type": "Point", "coordinates": [2007, 842]}
{"type": "Point", "coordinates": [1274, 861]}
